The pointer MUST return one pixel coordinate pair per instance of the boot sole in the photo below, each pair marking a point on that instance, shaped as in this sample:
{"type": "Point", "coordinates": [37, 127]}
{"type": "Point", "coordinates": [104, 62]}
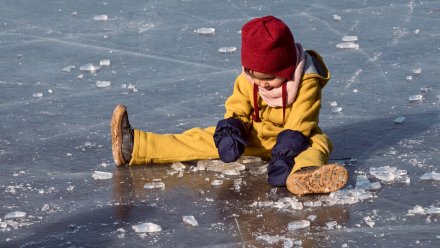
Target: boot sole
{"type": "Point", "coordinates": [118, 113]}
{"type": "Point", "coordinates": [324, 179]}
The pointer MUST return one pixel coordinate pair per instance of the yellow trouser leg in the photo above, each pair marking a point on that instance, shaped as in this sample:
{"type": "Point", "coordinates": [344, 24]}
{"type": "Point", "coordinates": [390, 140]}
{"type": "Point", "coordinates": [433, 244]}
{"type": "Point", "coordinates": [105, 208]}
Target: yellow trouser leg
{"type": "Point", "coordinates": [194, 144]}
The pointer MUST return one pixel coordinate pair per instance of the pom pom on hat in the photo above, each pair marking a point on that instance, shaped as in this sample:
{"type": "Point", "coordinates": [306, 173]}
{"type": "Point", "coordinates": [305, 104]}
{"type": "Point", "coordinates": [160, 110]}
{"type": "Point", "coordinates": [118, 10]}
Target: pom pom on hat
{"type": "Point", "coordinates": [268, 47]}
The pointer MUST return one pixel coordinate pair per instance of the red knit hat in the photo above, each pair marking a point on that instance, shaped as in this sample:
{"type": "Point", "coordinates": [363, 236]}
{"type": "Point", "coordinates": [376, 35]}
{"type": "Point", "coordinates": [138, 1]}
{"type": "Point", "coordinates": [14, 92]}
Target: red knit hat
{"type": "Point", "coordinates": [268, 47]}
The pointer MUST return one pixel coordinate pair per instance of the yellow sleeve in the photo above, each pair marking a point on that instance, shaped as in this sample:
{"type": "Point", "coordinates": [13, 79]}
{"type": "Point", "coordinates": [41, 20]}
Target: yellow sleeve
{"type": "Point", "coordinates": [304, 112]}
{"type": "Point", "coordinates": [238, 105]}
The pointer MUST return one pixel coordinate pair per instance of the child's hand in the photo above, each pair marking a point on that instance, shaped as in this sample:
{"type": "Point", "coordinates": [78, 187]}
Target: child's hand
{"type": "Point", "coordinates": [289, 144]}
{"type": "Point", "coordinates": [229, 138]}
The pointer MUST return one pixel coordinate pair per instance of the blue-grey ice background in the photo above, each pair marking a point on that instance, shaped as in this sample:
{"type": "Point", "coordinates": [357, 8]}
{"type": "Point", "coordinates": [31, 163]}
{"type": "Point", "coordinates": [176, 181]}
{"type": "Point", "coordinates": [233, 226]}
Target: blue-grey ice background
{"type": "Point", "coordinates": [54, 130]}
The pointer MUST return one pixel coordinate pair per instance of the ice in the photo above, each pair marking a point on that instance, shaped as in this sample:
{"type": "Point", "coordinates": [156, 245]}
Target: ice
{"type": "Point", "coordinates": [337, 18]}
{"type": "Point", "coordinates": [89, 68]}
{"type": "Point", "coordinates": [216, 182]}
{"type": "Point", "coordinates": [336, 109]}
{"type": "Point", "coordinates": [331, 224]}
{"type": "Point", "coordinates": [417, 71]}
{"type": "Point", "coordinates": [101, 175]}
{"type": "Point", "coordinates": [227, 49]}
{"type": "Point", "coordinates": [347, 196]}
{"type": "Point", "coordinates": [347, 45]}
{"type": "Point", "coordinates": [37, 95]}
{"type": "Point", "coordinates": [205, 31]}
{"type": "Point", "coordinates": [312, 204]}
{"type": "Point", "coordinates": [147, 227]}
{"type": "Point", "coordinates": [104, 62]}
{"type": "Point", "coordinates": [178, 166]}
{"type": "Point", "coordinates": [369, 221]}
{"type": "Point", "coordinates": [190, 220]}
{"type": "Point", "coordinates": [233, 168]}
{"type": "Point", "coordinates": [69, 68]}
{"type": "Point", "coordinates": [387, 173]}
{"type": "Point", "coordinates": [15, 214]}
{"type": "Point", "coordinates": [362, 182]}
{"type": "Point", "coordinates": [103, 84]}
{"type": "Point", "coordinates": [100, 18]}
{"type": "Point", "coordinates": [182, 81]}
{"type": "Point", "coordinates": [425, 90]}
{"type": "Point", "coordinates": [349, 38]}
{"type": "Point", "coordinates": [431, 176]}
{"type": "Point", "coordinates": [399, 120]}
{"type": "Point", "coordinates": [296, 225]}
{"type": "Point", "coordinates": [415, 98]}
{"type": "Point", "coordinates": [155, 184]}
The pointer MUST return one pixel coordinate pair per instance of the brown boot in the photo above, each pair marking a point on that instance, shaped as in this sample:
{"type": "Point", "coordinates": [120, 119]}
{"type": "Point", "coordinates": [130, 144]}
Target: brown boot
{"type": "Point", "coordinates": [320, 179]}
{"type": "Point", "coordinates": [122, 136]}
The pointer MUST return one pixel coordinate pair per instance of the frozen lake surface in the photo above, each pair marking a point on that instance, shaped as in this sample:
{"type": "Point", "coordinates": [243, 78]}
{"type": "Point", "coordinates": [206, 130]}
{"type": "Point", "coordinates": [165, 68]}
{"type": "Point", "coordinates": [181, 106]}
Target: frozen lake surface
{"type": "Point", "coordinates": [65, 64]}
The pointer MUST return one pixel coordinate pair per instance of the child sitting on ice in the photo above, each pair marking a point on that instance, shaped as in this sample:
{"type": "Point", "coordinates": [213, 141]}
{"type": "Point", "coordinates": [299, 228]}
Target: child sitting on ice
{"type": "Point", "coordinates": [272, 112]}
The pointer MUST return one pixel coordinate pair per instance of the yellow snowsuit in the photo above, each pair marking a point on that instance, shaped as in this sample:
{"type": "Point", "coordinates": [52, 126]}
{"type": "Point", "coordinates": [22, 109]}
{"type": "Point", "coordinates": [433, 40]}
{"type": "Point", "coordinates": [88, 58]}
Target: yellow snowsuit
{"type": "Point", "coordinates": [302, 115]}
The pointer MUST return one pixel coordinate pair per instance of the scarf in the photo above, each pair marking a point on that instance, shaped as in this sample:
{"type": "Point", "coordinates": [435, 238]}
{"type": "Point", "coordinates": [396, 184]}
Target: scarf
{"type": "Point", "coordinates": [284, 95]}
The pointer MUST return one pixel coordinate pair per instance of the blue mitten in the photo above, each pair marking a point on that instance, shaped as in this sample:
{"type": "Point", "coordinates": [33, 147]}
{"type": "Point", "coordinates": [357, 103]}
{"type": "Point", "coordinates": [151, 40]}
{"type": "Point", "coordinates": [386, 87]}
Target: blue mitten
{"type": "Point", "coordinates": [288, 145]}
{"type": "Point", "coordinates": [230, 139]}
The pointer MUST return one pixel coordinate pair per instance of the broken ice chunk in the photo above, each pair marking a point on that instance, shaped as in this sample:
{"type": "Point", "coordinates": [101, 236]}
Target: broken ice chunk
{"type": "Point", "coordinates": [399, 120]}
{"type": "Point", "coordinates": [387, 173]}
{"type": "Point", "coordinates": [249, 159]}
{"type": "Point", "coordinates": [417, 71]}
{"type": "Point", "coordinates": [349, 38]}
{"type": "Point", "coordinates": [312, 204]}
{"type": "Point", "coordinates": [178, 166]}
{"type": "Point", "coordinates": [69, 68]}
{"type": "Point", "coordinates": [363, 183]}
{"type": "Point", "coordinates": [216, 182]}
{"type": "Point", "coordinates": [334, 104]}
{"type": "Point", "coordinates": [300, 224]}
{"type": "Point", "coordinates": [218, 166]}
{"type": "Point", "coordinates": [227, 49]}
{"type": "Point", "coordinates": [336, 109]}
{"type": "Point", "coordinates": [347, 45]}
{"type": "Point", "coordinates": [37, 95]}
{"type": "Point", "coordinates": [190, 220]}
{"type": "Point", "coordinates": [425, 90]}
{"type": "Point", "coordinates": [415, 98]}
{"type": "Point", "coordinates": [100, 18]}
{"type": "Point", "coordinates": [409, 78]}
{"type": "Point", "coordinates": [331, 224]}
{"type": "Point", "coordinates": [337, 18]}
{"type": "Point", "coordinates": [431, 176]}
{"type": "Point", "coordinates": [432, 210]}
{"type": "Point", "coordinates": [104, 62]}
{"type": "Point", "coordinates": [103, 84]}
{"type": "Point", "coordinates": [205, 31]}
{"type": "Point", "coordinates": [89, 68]}
{"type": "Point", "coordinates": [417, 209]}
{"type": "Point", "coordinates": [101, 175]}
{"type": "Point", "coordinates": [15, 214]}
{"type": "Point", "coordinates": [369, 221]}
{"type": "Point", "coordinates": [147, 227]}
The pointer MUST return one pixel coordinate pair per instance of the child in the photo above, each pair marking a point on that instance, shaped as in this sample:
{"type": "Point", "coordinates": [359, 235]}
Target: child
{"type": "Point", "coordinates": [272, 112]}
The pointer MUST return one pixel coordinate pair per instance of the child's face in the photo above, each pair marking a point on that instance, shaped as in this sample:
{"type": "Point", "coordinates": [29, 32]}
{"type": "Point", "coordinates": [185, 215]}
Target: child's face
{"type": "Point", "coordinates": [263, 80]}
